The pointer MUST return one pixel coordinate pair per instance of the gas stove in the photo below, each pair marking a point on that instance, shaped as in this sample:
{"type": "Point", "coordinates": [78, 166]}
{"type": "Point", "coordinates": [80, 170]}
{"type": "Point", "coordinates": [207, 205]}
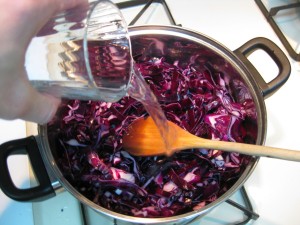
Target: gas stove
{"type": "Point", "coordinates": [270, 196]}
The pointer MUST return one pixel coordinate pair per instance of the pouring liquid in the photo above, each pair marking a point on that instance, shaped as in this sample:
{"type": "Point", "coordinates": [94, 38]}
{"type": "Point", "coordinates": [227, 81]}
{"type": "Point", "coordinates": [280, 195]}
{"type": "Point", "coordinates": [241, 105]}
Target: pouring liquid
{"type": "Point", "coordinates": [140, 91]}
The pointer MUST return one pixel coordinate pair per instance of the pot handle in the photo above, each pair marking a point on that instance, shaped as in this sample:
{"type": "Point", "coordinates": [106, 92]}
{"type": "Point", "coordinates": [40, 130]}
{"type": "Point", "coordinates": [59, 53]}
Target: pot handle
{"type": "Point", "coordinates": [27, 146]}
{"type": "Point", "coordinates": [275, 53]}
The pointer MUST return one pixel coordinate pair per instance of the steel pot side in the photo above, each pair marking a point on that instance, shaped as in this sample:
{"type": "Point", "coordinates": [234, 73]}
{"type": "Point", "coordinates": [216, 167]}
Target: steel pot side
{"type": "Point", "coordinates": [48, 172]}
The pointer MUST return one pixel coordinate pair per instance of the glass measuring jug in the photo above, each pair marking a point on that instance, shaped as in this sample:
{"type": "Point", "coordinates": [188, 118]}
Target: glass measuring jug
{"type": "Point", "coordinates": [83, 53]}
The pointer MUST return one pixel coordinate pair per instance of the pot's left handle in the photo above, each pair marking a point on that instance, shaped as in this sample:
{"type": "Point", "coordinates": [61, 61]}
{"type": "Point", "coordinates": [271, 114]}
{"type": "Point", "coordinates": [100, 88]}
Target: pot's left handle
{"type": "Point", "coordinates": [27, 146]}
{"type": "Point", "coordinates": [277, 55]}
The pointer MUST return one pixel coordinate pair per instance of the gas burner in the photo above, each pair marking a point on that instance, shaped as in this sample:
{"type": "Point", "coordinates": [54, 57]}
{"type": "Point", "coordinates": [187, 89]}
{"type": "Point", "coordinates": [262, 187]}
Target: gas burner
{"type": "Point", "coordinates": [287, 15]}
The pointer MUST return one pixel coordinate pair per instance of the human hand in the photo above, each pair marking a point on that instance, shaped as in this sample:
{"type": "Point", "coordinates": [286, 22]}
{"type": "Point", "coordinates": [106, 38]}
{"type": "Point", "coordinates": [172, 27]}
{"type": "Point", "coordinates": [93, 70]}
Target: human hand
{"type": "Point", "coordinates": [20, 20]}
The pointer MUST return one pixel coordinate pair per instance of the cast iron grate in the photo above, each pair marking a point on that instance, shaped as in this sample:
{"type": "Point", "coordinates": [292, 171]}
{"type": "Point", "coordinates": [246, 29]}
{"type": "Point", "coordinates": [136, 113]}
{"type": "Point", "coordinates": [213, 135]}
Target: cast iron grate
{"type": "Point", "coordinates": [270, 18]}
{"type": "Point", "coordinates": [146, 3]}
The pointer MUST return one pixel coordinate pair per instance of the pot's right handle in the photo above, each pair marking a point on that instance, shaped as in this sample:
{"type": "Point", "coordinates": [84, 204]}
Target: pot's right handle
{"type": "Point", "coordinates": [27, 146]}
{"type": "Point", "coordinates": [275, 53]}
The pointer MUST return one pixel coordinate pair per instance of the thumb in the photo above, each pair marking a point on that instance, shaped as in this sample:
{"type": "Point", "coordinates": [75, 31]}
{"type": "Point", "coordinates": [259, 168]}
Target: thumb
{"type": "Point", "coordinates": [24, 102]}
{"type": "Point", "coordinates": [41, 109]}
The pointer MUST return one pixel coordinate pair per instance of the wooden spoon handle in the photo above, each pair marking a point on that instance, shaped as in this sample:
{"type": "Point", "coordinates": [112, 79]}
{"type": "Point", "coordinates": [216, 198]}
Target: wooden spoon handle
{"type": "Point", "coordinates": [247, 149]}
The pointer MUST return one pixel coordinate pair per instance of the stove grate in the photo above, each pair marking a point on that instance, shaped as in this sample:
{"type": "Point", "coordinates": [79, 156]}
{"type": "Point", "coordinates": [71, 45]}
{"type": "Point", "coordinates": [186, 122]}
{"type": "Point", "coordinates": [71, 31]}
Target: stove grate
{"type": "Point", "coordinates": [269, 15]}
{"type": "Point", "coordinates": [147, 3]}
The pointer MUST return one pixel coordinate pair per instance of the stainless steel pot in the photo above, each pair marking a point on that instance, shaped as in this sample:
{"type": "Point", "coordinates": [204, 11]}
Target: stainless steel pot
{"type": "Point", "coordinates": [235, 62]}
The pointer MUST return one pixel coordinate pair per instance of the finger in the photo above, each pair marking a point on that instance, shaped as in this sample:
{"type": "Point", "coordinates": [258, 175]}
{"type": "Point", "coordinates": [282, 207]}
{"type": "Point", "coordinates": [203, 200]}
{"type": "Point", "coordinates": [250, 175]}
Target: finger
{"type": "Point", "coordinates": [73, 12]}
{"type": "Point", "coordinates": [24, 102]}
{"type": "Point", "coordinates": [69, 4]}
{"type": "Point", "coordinates": [42, 109]}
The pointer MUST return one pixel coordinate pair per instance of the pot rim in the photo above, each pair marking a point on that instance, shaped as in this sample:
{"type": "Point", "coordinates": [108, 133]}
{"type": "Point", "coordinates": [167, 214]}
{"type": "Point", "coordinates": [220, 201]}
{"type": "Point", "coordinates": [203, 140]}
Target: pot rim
{"type": "Point", "coordinates": [261, 122]}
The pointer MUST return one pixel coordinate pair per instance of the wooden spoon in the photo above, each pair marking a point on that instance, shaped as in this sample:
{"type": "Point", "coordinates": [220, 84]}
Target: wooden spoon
{"type": "Point", "coordinates": [144, 139]}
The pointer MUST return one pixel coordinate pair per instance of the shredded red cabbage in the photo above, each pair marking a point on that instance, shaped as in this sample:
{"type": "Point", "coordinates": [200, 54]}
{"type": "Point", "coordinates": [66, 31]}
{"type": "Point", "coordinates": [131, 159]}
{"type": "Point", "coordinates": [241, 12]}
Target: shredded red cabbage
{"type": "Point", "coordinates": [87, 137]}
